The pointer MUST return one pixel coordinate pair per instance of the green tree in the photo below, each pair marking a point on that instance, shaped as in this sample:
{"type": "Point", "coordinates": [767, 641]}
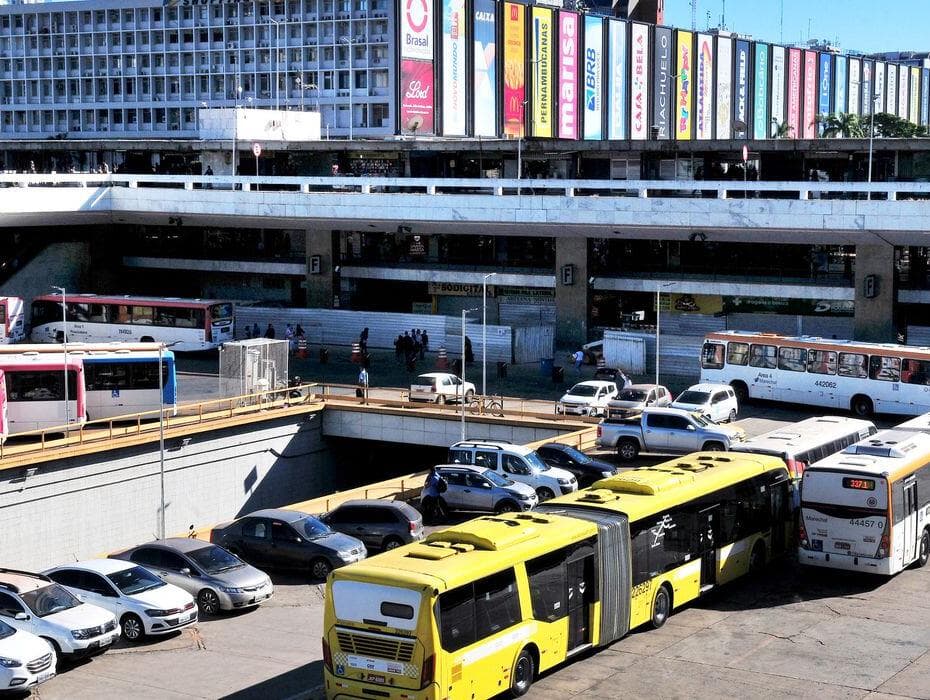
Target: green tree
{"type": "Point", "coordinates": [842, 125]}
{"type": "Point", "coordinates": [781, 130]}
{"type": "Point", "coordinates": [890, 126]}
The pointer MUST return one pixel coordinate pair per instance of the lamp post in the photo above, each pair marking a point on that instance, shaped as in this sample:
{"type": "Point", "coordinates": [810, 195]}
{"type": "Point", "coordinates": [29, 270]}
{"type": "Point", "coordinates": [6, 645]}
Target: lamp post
{"type": "Point", "coordinates": [484, 332]}
{"type": "Point", "coordinates": [64, 339]}
{"type": "Point", "coordinates": [875, 99]}
{"type": "Point", "coordinates": [659, 288]}
{"type": "Point", "coordinates": [161, 437]}
{"type": "Point", "coordinates": [347, 40]}
{"type": "Point", "coordinates": [462, 378]}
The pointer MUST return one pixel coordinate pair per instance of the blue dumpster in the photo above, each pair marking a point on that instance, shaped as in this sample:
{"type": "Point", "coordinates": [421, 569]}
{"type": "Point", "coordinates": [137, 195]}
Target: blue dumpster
{"type": "Point", "coordinates": [545, 367]}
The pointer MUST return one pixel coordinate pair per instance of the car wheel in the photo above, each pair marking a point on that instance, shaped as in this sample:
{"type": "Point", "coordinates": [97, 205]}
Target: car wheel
{"type": "Point", "coordinates": [592, 412]}
{"type": "Point", "coordinates": [506, 507]}
{"type": "Point", "coordinates": [392, 543]}
{"type": "Point", "coordinates": [628, 449]}
{"type": "Point", "coordinates": [713, 446]}
{"type": "Point", "coordinates": [661, 606]}
{"type": "Point", "coordinates": [544, 493]}
{"type": "Point", "coordinates": [469, 396]}
{"type": "Point", "coordinates": [732, 416]}
{"type": "Point", "coordinates": [524, 671]}
{"type": "Point", "coordinates": [132, 628]}
{"type": "Point", "coordinates": [208, 602]}
{"type": "Point", "coordinates": [441, 399]}
{"type": "Point", "coordinates": [320, 568]}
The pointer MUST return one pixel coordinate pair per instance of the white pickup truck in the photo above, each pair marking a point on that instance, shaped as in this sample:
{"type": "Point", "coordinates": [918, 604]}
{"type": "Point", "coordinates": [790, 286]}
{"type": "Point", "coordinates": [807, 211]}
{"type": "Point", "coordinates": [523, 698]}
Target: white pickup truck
{"type": "Point", "coordinates": [665, 430]}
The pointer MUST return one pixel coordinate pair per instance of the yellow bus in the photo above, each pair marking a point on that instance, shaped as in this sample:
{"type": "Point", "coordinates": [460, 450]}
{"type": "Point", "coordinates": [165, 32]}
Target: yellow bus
{"type": "Point", "coordinates": [483, 607]}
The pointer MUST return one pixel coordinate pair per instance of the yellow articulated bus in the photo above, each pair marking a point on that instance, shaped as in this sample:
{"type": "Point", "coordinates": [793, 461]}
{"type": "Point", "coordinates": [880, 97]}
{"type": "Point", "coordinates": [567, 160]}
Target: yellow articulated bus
{"type": "Point", "coordinates": [481, 608]}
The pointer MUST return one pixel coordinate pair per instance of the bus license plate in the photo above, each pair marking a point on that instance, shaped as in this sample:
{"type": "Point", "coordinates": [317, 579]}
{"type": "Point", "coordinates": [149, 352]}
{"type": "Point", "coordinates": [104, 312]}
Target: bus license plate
{"type": "Point", "coordinates": [841, 545]}
{"type": "Point", "coordinates": [375, 678]}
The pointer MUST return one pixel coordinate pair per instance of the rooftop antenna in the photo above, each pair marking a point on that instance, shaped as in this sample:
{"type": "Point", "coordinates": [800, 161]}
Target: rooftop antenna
{"type": "Point", "coordinates": [708, 19]}
{"type": "Point", "coordinates": [781, 24]}
{"type": "Point", "coordinates": [809, 20]}
{"type": "Point", "coordinates": [723, 16]}
{"type": "Point", "coordinates": [694, 10]}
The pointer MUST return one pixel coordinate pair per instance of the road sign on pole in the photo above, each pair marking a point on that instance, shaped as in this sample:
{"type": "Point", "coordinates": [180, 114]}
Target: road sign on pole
{"type": "Point", "coordinates": [257, 149]}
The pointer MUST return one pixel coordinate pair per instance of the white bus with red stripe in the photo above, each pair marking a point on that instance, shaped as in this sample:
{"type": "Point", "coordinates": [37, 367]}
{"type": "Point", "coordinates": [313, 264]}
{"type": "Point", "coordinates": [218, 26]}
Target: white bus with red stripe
{"type": "Point", "coordinates": [12, 320]}
{"type": "Point", "coordinates": [867, 508]}
{"type": "Point", "coordinates": [35, 392]}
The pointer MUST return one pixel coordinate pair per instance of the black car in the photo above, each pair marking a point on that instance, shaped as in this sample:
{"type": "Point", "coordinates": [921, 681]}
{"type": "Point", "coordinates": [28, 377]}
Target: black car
{"type": "Point", "coordinates": [586, 469]}
{"type": "Point", "coordinates": [288, 539]}
{"type": "Point", "coordinates": [379, 524]}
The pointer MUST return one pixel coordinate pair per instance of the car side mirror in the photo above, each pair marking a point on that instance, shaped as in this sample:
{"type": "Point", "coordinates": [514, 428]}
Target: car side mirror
{"type": "Point", "coordinates": [691, 427]}
{"type": "Point", "coordinates": [485, 485]}
{"type": "Point", "coordinates": [22, 617]}
{"type": "Point", "coordinates": [185, 571]}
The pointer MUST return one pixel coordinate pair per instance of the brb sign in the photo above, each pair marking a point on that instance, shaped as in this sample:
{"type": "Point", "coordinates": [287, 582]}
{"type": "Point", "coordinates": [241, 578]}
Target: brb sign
{"type": "Point", "coordinates": [417, 29]}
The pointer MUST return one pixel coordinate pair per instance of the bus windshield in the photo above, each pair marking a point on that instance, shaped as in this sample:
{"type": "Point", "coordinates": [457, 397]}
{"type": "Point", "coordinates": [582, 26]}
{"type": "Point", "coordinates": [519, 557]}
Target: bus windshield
{"type": "Point", "coordinates": [221, 312]}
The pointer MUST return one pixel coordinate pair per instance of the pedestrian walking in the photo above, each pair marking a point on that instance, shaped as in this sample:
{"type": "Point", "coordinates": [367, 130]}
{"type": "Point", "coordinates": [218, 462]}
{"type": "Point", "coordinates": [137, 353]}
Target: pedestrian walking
{"type": "Point", "coordinates": [469, 355]}
{"type": "Point", "coordinates": [398, 347]}
{"type": "Point", "coordinates": [424, 343]}
{"type": "Point", "coordinates": [299, 332]}
{"type": "Point", "coordinates": [289, 337]}
{"type": "Point", "coordinates": [361, 390]}
{"type": "Point", "coordinates": [269, 332]}
{"type": "Point", "coordinates": [363, 339]}
{"type": "Point", "coordinates": [256, 332]}
{"type": "Point", "coordinates": [578, 359]}
{"type": "Point", "coordinates": [248, 332]}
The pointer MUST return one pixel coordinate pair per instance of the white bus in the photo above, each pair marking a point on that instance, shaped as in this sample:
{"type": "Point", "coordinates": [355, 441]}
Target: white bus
{"type": "Point", "coordinates": [187, 325]}
{"type": "Point", "coordinates": [35, 392]}
{"type": "Point", "coordinates": [864, 378]}
{"type": "Point", "coordinates": [867, 508]}
{"type": "Point", "coordinates": [805, 442]}
{"type": "Point", "coordinates": [12, 320]}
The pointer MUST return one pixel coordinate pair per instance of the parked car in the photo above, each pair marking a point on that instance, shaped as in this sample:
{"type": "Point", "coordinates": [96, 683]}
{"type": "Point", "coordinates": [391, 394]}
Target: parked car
{"type": "Point", "coordinates": [632, 400]}
{"type": "Point", "coordinates": [142, 602]}
{"type": "Point", "coordinates": [714, 401]}
{"type": "Point", "coordinates": [288, 539]}
{"type": "Point", "coordinates": [217, 579]}
{"type": "Point", "coordinates": [452, 487]}
{"type": "Point", "coordinates": [587, 398]}
{"type": "Point", "coordinates": [379, 524]}
{"type": "Point", "coordinates": [613, 374]}
{"type": "Point", "coordinates": [26, 660]}
{"type": "Point", "coordinates": [36, 604]}
{"type": "Point", "coordinates": [585, 468]}
{"type": "Point", "coordinates": [517, 463]}
{"type": "Point", "coordinates": [665, 430]}
{"type": "Point", "coordinates": [440, 387]}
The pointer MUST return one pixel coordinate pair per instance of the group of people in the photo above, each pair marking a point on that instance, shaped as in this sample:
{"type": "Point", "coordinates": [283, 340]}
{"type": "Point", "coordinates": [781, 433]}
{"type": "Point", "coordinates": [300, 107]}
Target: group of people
{"type": "Point", "coordinates": [292, 334]}
{"type": "Point", "coordinates": [411, 346]}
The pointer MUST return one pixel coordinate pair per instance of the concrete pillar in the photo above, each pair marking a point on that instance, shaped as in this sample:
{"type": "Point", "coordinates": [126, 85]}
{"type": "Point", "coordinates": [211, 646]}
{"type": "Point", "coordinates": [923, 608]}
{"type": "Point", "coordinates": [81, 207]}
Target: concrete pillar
{"type": "Point", "coordinates": [875, 276]}
{"type": "Point", "coordinates": [320, 269]}
{"type": "Point", "coordinates": [571, 300]}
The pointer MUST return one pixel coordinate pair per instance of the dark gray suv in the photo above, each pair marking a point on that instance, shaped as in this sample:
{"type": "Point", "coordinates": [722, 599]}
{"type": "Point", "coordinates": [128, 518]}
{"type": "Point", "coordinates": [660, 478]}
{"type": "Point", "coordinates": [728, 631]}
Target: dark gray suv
{"type": "Point", "coordinates": [379, 524]}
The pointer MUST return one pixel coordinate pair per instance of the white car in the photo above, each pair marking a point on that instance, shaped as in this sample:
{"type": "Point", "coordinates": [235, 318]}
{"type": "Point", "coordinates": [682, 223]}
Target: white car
{"type": "Point", "coordinates": [25, 659]}
{"type": "Point", "coordinates": [440, 387]}
{"type": "Point", "coordinates": [142, 602]}
{"type": "Point", "coordinates": [714, 401]}
{"type": "Point", "coordinates": [34, 603]}
{"type": "Point", "coordinates": [517, 463]}
{"type": "Point", "coordinates": [587, 398]}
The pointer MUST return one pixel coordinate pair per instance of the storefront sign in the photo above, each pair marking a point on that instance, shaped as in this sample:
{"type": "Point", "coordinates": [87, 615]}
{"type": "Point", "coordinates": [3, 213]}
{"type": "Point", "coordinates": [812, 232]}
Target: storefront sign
{"type": "Point", "coordinates": [724, 91]}
{"type": "Point", "coordinates": [453, 289]}
{"type": "Point", "coordinates": [639, 81]}
{"type": "Point", "coordinates": [685, 98]}
{"type": "Point", "coordinates": [593, 70]}
{"type": "Point", "coordinates": [514, 68]}
{"type": "Point", "coordinates": [662, 87]}
{"type": "Point", "coordinates": [485, 68]}
{"type": "Point", "coordinates": [568, 75]}
{"type": "Point", "coordinates": [416, 96]}
{"type": "Point", "coordinates": [760, 101]}
{"type": "Point", "coordinates": [542, 55]}
{"type": "Point", "coordinates": [454, 37]}
{"type": "Point", "coordinates": [704, 93]}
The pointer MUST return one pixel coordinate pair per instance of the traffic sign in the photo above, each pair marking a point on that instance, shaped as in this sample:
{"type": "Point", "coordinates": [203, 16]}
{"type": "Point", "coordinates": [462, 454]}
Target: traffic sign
{"type": "Point", "coordinates": [745, 153]}
{"type": "Point", "coordinates": [257, 149]}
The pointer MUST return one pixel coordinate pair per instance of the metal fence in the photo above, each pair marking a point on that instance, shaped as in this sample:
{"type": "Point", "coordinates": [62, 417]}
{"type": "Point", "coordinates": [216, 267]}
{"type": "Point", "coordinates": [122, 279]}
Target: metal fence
{"type": "Point", "coordinates": [252, 367]}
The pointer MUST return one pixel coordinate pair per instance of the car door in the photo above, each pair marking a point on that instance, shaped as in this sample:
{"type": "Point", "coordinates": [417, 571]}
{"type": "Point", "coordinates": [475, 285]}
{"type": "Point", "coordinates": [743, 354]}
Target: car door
{"type": "Point", "coordinates": [655, 431]}
{"type": "Point", "coordinates": [152, 559]}
{"type": "Point", "coordinates": [287, 547]}
{"type": "Point", "coordinates": [682, 435]}
{"type": "Point", "coordinates": [10, 607]}
{"type": "Point", "coordinates": [487, 459]}
{"type": "Point", "coordinates": [254, 542]}
{"type": "Point", "coordinates": [719, 409]}
{"type": "Point", "coordinates": [97, 590]}
{"type": "Point", "coordinates": [516, 469]}
{"type": "Point", "coordinates": [454, 495]}
{"type": "Point", "coordinates": [479, 492]}
{"type": "Point", "coordinates": [347, 520]}
{"type": "Point", "coordinates": [178, 571]}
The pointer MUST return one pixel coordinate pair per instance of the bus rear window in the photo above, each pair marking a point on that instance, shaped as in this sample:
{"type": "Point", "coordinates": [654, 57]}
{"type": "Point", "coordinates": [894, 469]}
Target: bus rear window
{"type": "Point", "coordinates": [404, 612]}
{"type": "Point", "coordinates": [367, 603]}
{"type": "Point", "coordinates": [712, 356]}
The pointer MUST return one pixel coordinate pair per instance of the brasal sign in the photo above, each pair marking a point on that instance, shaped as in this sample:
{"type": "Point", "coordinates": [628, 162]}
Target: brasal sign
{"type": "Point", "coordinates": [417, 30]}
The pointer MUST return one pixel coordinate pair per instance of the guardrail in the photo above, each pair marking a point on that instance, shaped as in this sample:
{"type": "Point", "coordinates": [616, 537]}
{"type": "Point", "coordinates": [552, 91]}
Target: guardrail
{"type": "Point", "coordinates": [696, 189]}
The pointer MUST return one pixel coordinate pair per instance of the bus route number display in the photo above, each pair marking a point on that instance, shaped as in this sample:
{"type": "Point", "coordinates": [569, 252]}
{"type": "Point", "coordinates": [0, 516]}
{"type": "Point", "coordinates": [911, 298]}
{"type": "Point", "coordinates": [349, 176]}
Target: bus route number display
{"type": "Point", "coordinates": [859, 484]}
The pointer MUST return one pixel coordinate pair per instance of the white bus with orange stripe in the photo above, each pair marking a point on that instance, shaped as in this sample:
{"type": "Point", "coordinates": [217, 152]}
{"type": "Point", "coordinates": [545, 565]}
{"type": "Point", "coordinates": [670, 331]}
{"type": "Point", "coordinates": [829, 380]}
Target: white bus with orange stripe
{"type": "Point", "coordinates": [864, 378]}
{"type": "Point", "coordinates": [867, 508]}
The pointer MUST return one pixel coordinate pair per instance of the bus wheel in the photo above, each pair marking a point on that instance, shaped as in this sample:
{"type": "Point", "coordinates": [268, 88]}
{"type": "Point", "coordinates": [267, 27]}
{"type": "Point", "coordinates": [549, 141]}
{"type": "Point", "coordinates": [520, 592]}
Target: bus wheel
{"type": "Point", "coordinates": [661, 606]}
{"type": "Point", "coordinates": [757, 559]}
{"type": "Point", "coordinates": [861, 406]}
{"type": "Point", "coordinates": [524, 671]}
{"type": "Point", "coordinates": [742, 393]}
{"type": "Point", "coordinates": [924, 555]}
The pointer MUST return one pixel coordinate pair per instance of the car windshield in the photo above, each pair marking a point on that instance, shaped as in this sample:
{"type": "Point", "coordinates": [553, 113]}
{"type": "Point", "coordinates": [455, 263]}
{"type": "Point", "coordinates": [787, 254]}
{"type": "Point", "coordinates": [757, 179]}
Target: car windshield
{"type": "Point", "coordinates": [701, 420]}
{"type": "Point", "coordinates": [6, 630]}
{"type": "Point", "coordinates": [50, 600]}
{"type": "Point", "coordinates": [697, 398]}
{"type": "Point", "coordinates": [312, 528]}
{"type": "Point", "coordinates": [214, 560]}
{"type": "Point", "coordinates": [583, 390]}
{"type": "Point", "coordinates": [135, 580]}
{"type": "Point", "coordinates": [496, 478]}
{"type": "Point", "coordinates": [631, 395]}
{"type": "Point", "coordinates": [579, 457]}
{"type": "Point", "coordinates": [536, 464]}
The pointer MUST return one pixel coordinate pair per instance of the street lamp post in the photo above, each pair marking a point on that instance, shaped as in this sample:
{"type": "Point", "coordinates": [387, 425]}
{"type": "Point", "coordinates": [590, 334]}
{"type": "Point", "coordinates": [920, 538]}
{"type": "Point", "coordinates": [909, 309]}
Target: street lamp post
{"type": "Point", "coordinates": [659, 289]}
{"type": "Point", "coordinates": [462, 378]}
{"type": "Point", "coordinates": [347, 40]}
{"type": "Point", "coordinates": [875, 99]}
{"type": "Point", "coordinates": [161, 438]}
{"type": "Point", "coordinates": [64, 340]}
{"type": "Point", "coordinates": [484, 333]}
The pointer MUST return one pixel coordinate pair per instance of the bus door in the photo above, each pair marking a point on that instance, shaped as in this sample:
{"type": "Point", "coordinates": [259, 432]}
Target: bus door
{"type": "Point", "coordinates": [579, 570]}
{"type": "Point", "coordinates": [909, 523]}
{"type": "Point", "coordinates": [707, 528]}
{"type": "Point", "coordinates": [779, 495]}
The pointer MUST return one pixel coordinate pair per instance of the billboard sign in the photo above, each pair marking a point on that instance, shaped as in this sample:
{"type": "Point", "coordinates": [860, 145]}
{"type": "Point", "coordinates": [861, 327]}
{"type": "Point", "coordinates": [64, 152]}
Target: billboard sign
{"type": "Point", "coordinates": [741, 90]}
{"type": "Point", "coordinates": [877, 99]}
{"type": "Point", "coordinates": [542, 54]}
{"type": "Point", "coordinates": [869, 88]}
{"type": "Point", "coordinates": [904, 91]}
{"type": "Point", "coordinates": [593, 70]}
{"type": "Point", "coordinates": [662, 87]}
{"type": "Point", "coordinates": [514, 68]}
{"type": "Point", "coordinates": [824, 87]}
{"type": "Point", "coordinates": [416, 29]}
{"type": "Point", "coordinates": [684, 69]}
{"type": "Point", "coordinates": [794, 92]}
{"type": "Point", "coordinates": [704, 88]}
{"type": "Point", "coordinates": [568, 75]}
{"type": "Point", "coordinates": [454, 110]}
{"type": "Point", "coordinates": [778, 87]}
{"type": "Point", "coordinates": [760, 100]}
{"type": "Point", "coordinates": [925, 96]}
{"type": "Point", "coordinates": [840, 85]}
{"type": "Point", "coordinates": [724, 87]}
{"type": "Point", "coordinates": [416, 97]}
{"type": "Point", "coordinates": [809, 127]}
{"type": "Point", "coordinates": [853, 96]}
{"type": "Point", "coordinates": [616, 81]}
{"type": "Point", "coordinates": [891, 90]}
{"type": "Point", "coordinates": [914, 97]}
{"type": "Point", "coordinates": [639, 81]}
{"type": "Point", "coordinates": [485, 67]}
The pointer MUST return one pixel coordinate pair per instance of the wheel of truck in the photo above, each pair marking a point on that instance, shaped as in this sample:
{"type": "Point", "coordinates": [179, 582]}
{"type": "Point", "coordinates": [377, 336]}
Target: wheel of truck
{"type": "Point", "coordinates": [628, 449]}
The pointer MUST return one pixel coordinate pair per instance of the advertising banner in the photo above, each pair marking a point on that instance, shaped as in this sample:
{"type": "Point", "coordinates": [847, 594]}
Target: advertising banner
{"type": "Point", "coordinates": [639, 81]}
{"type": "Point", "coordinates": [692, 303]}
{"type": "Point", "coordinates": [904, 91]}
{"type": "Point", "coordinates": [416, 29]}
{"type": "Point", "coordinates": [891, 89]}
{"type": "Point", "coordinates": [662, 87]}
{"type": "Point", "coordinates": [685, 97]}
{"type": "Point", "coordinates": [704, 88]}
{"type": "Point", "coordinates": [616, 81]}
{"type": "Point", "coordinates": [741, 91]}
{"type": "Point", "coordinates": [453, 67]}
{"type": "Point", "coordinates": [542, 55]}
{"type": "Point", "coordinates": [925, 96]}
{"type": "Point", "coordinates": [824, 87]}
{"type": "Point", "coordinates": [568, 75]}
{"type": "Point", "coordinates": [809, 126]}
{"type": "Point", "coordinates": [724, 87]}
{"type": "Point", "coordinates": [514, 68]}
{"type": "Point", "coordinates": [593, 86]}
{"type": "Point", "coordinates": [868, 87]}
{"type": "Point", "coordinates": [840, 85]}
{"type": "Point", "coordinates": [760, 100]}
{"type": "Point", "coordinates": [914, 98]}
{"type": "Point", "coordinates": [416, 97]}
{"type": "Point", "coordinates": [794, 93]}
{"type": "Point", "coordinates": [485, 109]}
{"type": "Point", "coordinates": [854, 95]}
{"type": "Point", "coordinates": [778, 87]}
{"type": "Point", "coordinates": [877, 98]}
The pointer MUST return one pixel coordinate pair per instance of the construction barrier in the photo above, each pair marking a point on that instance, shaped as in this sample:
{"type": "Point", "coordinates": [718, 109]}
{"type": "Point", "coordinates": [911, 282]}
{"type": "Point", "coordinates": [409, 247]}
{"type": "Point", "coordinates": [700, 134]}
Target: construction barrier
{"type": "Point", "coordinates": [442, 359]}
{"type": "Point", "coordinates": [302, 348]}
{"type": "Point", "coordinates": [356, 353]}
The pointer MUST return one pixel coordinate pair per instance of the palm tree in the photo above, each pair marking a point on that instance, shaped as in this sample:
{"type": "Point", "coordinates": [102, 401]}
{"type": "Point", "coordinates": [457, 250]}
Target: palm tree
{"type": "Point", "coordinates": [781, 130]}
{"type": "Point", "coordinates": [842, 125]}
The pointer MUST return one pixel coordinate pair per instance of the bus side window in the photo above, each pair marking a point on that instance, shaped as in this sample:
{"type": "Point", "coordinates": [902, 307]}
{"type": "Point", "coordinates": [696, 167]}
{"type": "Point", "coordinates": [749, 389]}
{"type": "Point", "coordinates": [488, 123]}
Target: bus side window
{"type": "Point", "coordinates": [497, 604]}
{"type": "Point", "coordinates": [548, 587]}
{"type": "Point", "coordinates": [821, 362]}
{"type": "Point", "coordinates": [738, 354]}
{"type": "Point", "coordinates": [763, 356]}
{"type": "Point", "coordinates": [712, 356]}
{"type": "Point", "coordinates": [853, 364]}
{"type": "Point", "coordinates": [885, 369]}
{"type": "Point", "coordinates": [457, 618]}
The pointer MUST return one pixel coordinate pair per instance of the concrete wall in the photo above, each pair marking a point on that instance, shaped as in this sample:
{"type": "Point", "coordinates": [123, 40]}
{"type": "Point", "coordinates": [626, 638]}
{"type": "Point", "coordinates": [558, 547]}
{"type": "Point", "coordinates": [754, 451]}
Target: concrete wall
{"type": "Point", "coordinates": [320, 285]}
{"type": "Point", "coordinates": [571, 300]}
{"type": "Point", "coordinates": [62, 264]}
{"type": "Point", "coordinates": [875, 317]}
{"type": "Point", "coordinates": [81, 507]}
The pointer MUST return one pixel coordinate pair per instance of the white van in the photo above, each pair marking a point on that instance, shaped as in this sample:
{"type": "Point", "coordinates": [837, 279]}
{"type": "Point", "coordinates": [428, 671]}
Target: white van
{"type": "Point", "coordinates": [714, 401]}
{"type": "Point", "coordinates": [515, 462]}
